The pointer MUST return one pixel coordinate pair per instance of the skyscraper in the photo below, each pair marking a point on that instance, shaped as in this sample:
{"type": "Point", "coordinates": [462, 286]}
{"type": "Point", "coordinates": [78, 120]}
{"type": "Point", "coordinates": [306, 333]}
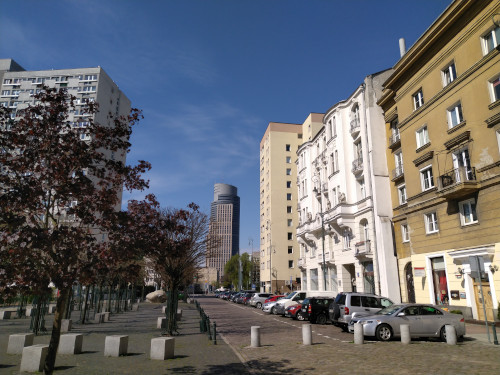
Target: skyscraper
{"type": "Point", "coordinates": [224, 226]}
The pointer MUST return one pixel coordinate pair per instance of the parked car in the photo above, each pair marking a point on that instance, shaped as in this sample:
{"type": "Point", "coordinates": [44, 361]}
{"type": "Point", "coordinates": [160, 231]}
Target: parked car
{"type": "Point", "coordinates": [269, 307]}
{"type": "Point", "coordinates": [291, 299]}
{"type": "Point", "coordinates": [246, 298]}
{"type": "Point", "coordinates": [315, 309]}
{"type": "Point", "coordinates": [273, 298]}
{"type": "Point", "coordinates": [424, 321]}
{"type": "Point", "coordinates": [258, 299]}
{"type": "Point", "coordinates": [291, 311]}
{"type": "Point", "coordinates": [347, 304]}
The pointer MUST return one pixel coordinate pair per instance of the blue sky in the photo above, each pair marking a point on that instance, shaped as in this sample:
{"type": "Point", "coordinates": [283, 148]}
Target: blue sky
{"type": "Point", "coordinates": [210, 75]}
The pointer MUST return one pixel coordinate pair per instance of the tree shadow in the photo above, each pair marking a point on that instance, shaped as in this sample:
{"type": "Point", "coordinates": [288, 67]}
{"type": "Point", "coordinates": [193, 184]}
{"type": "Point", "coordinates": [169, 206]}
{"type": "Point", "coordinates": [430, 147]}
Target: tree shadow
{"type": "Point", "coordinates": [183, 370]}
{"type": "Point", "coordinates": [263, 365]}
{"type": "Point", "coordinates": [62, 368]}
{"type": "Point", "coordinates": [6, 366]}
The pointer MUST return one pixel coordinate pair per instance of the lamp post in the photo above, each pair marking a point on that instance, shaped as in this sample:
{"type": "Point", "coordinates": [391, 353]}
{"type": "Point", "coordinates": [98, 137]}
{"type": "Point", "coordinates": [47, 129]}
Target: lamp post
{"type": "Point", "coordinates": [321, 215]}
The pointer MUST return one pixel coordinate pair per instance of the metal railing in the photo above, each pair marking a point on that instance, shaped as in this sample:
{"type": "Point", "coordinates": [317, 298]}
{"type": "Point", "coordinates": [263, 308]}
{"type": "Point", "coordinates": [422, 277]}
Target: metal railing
{"type": "Point", "coordinates": [397, 172]}
{"type": "Point", "coordinates": [393, 139]}
{"type": "Point", "coordinates": [457, 175]}
{"type": "Point", "coordinates": [357, 165]}
{"type": "Point", "coordinates": [355, 125]}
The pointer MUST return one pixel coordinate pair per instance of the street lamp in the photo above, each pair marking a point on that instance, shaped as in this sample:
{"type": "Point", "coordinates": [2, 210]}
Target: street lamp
{"type": "Point", "coordinates": [321, 214]}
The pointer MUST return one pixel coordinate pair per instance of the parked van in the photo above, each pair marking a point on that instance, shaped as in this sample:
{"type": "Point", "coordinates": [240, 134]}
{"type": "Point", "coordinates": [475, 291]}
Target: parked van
{"type": "Point", "coordinates": [348, 304]}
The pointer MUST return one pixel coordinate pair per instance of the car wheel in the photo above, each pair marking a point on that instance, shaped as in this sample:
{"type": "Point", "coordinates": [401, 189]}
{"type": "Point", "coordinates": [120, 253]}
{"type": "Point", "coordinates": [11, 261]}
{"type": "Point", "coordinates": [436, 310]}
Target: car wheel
{"type": "Point", "coordinates": [344, 327]}
{"type": "Point", "coordinates": [259, 305]}
{"type": "Point", "coordinates": [300, 316]}
{"type": "Point", "coordinates": [442, 333]}
{"type": "Point", "coordinates": [273, 310]}
{"type": "Point", "coordinates": [321, 319]}
{"type": "Point", "coordinates": [383, 332]}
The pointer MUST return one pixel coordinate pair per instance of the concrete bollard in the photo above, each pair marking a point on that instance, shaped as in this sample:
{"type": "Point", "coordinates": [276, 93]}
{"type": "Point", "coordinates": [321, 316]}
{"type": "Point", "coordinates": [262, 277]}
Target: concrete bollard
{"type": "Point", "coordinates": [179, 314]}
{"type": "Point", "coordinates": [405, 333]}
{"type": "Point", "coordinates": [163, 309]}
{"type": "Point", "coordinates": [29, 311]}
{"type": "Point", "coordinates": [135, 307]}
{"type": "Point", "coordinates": [451, 334]}
{"type": "Point", "coordinates": [105, 316]}
{"type": "Point", "coordinates": [162, 348]}
{"type": "Point", "coordinates": [19, 341]}
{"type": "Point", "coordinates": [70, 343]}
{"type": "Point", "coordinates": [359, 337]}
{"type": "Point", "coordinates": [255, 337]}
{"type": "Point", "coordinates": [161, 322]}
{"type": "Point", "coordinates": [99, 318]}
{"type": "Point", "coordinates": [66, 325]}
{"type": "Point", "coordinates": [115, 345]}
{"type": "Point", "coordinates": [33, 358]}
{"type": "Point", "coordinates": [306, 334]}
{"type": "Point", "coordinates": [5, 314]}
{"type": "Point", "coordinates": [51, 309]}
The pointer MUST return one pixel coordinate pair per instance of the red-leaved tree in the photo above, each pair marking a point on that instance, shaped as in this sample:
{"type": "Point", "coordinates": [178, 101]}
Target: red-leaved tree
{"type": "Point", "coordinates": [60, 188]}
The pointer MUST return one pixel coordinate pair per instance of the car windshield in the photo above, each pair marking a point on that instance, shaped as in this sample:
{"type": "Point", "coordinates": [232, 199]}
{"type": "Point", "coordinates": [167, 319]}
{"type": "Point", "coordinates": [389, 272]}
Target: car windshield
{"type": "Point", "coordinates": [290, 296]}
{"type": "Point", "coordinates": [389, 310]}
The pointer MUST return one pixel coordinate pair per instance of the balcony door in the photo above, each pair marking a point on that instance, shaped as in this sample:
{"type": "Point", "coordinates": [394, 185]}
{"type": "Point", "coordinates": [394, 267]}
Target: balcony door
{"type": "Point", "coordinates": [461, 160]}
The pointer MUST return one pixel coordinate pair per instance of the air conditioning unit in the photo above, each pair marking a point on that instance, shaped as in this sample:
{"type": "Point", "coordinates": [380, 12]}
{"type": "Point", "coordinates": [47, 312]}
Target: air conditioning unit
{"type": "Point", "coordinates": [287, 282]}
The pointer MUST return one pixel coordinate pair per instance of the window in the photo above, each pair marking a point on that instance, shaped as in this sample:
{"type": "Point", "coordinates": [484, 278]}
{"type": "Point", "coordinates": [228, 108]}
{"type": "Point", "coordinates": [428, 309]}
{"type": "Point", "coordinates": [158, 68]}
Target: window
{"type": "Point", "coordinates": [290, 236]}
{"type": "Point", "coordinates": [405, 234]}
{"type": "Point", "coordinates": [290, 249]}
{"type": "Point", "coordinates": [418, 99]}
{"type": "Point", "coordinates": [468, 212]}
{"type": "Point", "coordinates": [288, 171]}
{"type": "Point", "coordinates": [402, 194]}
{"type": "Point", "coordinates": [439, 281]}
{"type": "Point", "coordinates": [290, 264]}
{"type": "Point", "coordinates": [289, 222]}
{"type": "Point", "coordinates": [495, 89]}
{"type": "Point", "coordinates": [346, 237]}
{"type": "Point", "coordinates": [422, 136]}
{"type": "Point", "coordinates": [287, 147]}
{"type": "Point", "coordinates": [362, 188]}
{"type": "Point", "coordinates": [288, 159]}
{"type": "Point", "coordinates": [431, 223]}
{"type": "Point", "coordinates": [455, 115]}
{"type": "Point", "coordinates": [314, 279]}
{"type": "Point", "coordinates": [289, 184]}
{"type": "Point", "coordinates": [491, 40]}
{"type": "Point", "coordinates": [426, 178]}
{"type": "Point", "coordinates": [289, 197]}
{"type": "Point", "coordinates": [288, 209]}
{"type": "Point", "coordinates": [449, 74]}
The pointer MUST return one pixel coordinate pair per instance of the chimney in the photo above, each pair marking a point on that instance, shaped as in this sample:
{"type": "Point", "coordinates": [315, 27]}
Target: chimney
{"type": "Point", "coordinates": [402, 47]}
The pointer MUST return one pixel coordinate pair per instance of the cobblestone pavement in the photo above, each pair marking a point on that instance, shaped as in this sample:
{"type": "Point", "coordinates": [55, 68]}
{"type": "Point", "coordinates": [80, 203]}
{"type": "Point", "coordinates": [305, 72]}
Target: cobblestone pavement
{"type": "Point", "coordinates": [194, 353]}
{"type": "Point", "coordinates": [333, 351]}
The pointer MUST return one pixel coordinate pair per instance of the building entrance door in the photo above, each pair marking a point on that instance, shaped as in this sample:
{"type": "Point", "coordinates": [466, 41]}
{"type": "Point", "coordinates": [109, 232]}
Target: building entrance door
{"type": "Point", "coordinates": [488, 302]}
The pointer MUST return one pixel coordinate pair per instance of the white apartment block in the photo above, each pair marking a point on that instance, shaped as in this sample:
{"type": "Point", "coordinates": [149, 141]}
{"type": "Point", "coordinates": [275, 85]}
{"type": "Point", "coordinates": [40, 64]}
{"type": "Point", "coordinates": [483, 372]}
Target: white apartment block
{"type": "Point", "coordinates": [345, 229]}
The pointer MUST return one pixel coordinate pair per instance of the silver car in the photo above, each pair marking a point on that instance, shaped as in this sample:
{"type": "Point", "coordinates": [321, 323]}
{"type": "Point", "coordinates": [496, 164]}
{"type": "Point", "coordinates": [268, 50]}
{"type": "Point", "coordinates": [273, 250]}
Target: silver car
{"type": "Point", "coordinates": [269, 307]}
{"type": "Point", "coordinates": [424, 321]}
{"type": "Point", "coordinates": [258, 299]}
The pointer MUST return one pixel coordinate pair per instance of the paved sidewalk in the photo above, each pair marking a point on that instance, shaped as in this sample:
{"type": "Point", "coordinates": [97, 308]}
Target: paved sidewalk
{"type": "Point", "coordinates": [194, 353]}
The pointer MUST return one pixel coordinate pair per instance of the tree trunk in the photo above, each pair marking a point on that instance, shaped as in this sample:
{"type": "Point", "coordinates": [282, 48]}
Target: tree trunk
{"type": "Point", "coordinates": [171, 311]}
{"type": "Point", "coordinates": [56, 331]}
{"type": "Point", "coordinates": [108, 307]}
{"type": "Point", "coordinates": [84, 312]}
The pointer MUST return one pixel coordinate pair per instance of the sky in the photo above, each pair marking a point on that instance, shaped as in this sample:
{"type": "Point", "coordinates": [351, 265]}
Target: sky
{"type": "Point", "coordinates": [209, 75]}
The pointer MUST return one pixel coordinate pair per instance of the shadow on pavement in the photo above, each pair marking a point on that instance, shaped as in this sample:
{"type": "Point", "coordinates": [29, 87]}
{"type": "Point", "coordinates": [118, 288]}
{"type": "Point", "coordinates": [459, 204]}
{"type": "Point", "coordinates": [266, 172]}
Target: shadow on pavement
{"type": "Point", "coordinates": [62, 368]}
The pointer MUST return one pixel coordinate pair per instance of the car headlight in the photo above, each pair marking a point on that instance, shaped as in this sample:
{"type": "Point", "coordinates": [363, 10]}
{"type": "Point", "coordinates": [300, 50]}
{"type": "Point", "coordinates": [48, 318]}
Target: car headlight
{"type": "Point", "coordinates": [367, 322]}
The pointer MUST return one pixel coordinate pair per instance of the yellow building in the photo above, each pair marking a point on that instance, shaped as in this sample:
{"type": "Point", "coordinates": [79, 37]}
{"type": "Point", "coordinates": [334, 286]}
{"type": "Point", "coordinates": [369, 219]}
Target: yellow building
{"type": "Point", "coordinates": [279, 251]}
{"type": "Point", "coordinates": [442, 112]}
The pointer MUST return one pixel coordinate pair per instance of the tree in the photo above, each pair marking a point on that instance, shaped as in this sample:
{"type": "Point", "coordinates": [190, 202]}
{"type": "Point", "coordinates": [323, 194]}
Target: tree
{"type": "Point", "coordinates": [232, 267]}
{"type": "Point", "coordinates": [176, 246]}
{"type": "Point", "coordinates": [60, 188]}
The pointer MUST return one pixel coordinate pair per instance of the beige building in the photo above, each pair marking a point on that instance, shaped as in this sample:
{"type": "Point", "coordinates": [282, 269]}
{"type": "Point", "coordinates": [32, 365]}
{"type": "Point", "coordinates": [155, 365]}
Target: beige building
{"type": "Point", "coordinates": [442, 113]}
{"type": "Point", "coordinates": [278, 207]}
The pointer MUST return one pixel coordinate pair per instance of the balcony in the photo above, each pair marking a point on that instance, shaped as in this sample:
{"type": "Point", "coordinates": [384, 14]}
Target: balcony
{"type": "Point", "coordinates": [397, 173]}
{"type": "Point", "coordinates": [457, 183]}
{"type": "Point", "coordinates": [362, 248]}
{"type": "Point", "coordinates": [394, 141]}
{"type": "Point", "coordinates": [355, 127]}
{"type": "Point", "coordinates": [301, 262]}
{"type": "Point", "coordinates": [357, 166]}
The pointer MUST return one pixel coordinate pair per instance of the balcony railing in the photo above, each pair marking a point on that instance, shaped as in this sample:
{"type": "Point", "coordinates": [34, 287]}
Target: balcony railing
{"type": "Point", "coordinates": [357, 166]}
{"type": "Point", "coordinates": [458, 182]}
{"type": "Point", "coordinates": [362, 248]}
{"type": "Point", "coordinates": [301, 262]}
{"type": "Point", "coordinates": [397, 172]}
{"type": "Point", "coordinates": [394, 140]}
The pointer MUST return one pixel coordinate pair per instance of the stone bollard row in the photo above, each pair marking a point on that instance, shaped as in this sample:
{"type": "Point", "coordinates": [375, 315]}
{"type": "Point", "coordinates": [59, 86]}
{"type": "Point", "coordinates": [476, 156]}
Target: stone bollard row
{"type": "Point", "coordinates": [359, 337]}
{"type": "Point", "coordinates": [307, 334]}
{"type": "Point", "coordinates": [405, 334]}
